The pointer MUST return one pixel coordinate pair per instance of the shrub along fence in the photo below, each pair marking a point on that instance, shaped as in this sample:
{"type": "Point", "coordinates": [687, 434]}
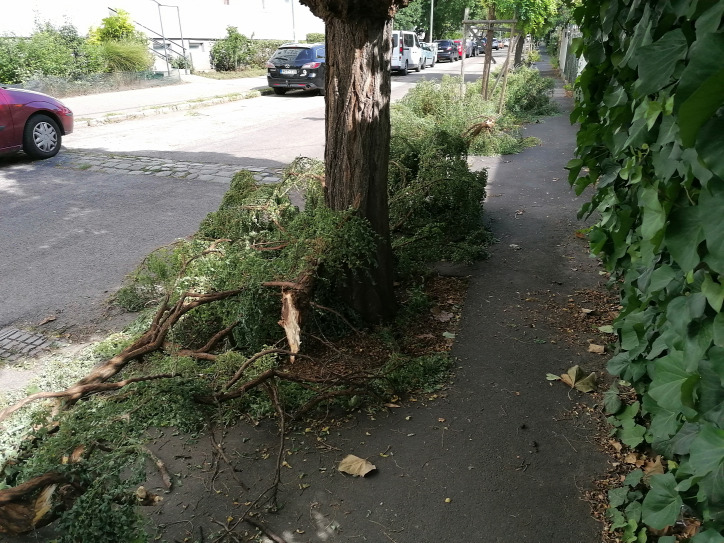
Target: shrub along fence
{"type": "Point", "coordinates": [61, 87]}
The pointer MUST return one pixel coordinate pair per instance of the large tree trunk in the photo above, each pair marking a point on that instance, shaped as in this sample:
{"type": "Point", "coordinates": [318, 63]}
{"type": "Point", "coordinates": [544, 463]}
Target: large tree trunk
{"type": "Point", "coordinates": [488, 52]}
{"type": "Point", "coordinates": [357, 146]}
{"type": "Point", "coordinates": [519, 44]}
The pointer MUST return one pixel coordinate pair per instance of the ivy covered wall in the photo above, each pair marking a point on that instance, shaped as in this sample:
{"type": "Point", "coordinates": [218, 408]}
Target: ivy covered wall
{"type": "Point", "coordinates": [651, 151]}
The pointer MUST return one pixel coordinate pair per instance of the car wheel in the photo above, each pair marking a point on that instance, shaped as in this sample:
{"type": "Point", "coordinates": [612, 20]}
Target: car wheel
{"type": "Point", "coordinates": [41, 137]}
{"type": "Point", "coordinates": [279, 91]}
{"type": "Point", "coordinates": [404, 70]}
{"type": "Point", "coordinates": [321, 92]}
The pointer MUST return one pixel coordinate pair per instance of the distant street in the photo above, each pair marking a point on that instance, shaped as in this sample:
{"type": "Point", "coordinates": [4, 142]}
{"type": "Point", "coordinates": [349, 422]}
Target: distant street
{"type": "Point", "coordinates": [267, 131]}
{"type": "Point", "coordinates": [69, 232]}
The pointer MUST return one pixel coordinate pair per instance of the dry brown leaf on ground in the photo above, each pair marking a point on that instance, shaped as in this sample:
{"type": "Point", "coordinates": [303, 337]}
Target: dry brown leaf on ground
{"type": "Point", "coordinates": [576, 378]}
{"type": "Point", "coordinates": [653, 467]}
{"type": "Point", "coordinates": [597, 349]}
{"type": "Point", "coordinates": [354, 465]}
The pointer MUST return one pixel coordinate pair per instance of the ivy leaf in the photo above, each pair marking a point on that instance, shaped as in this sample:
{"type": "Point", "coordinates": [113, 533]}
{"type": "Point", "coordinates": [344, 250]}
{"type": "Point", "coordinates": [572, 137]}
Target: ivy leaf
{"type": "Point", "coordinates": [711, 202]}
{"type": "Point", "coordinates": [634, 478]}
{"type": "Point", "coordinates": [631, 434]}
{"type": "Point", "coordinates": [714, 293]}
{"type": "Point", "coordinates": [700, 107]}
{"type": "Point", "coordinates": [617, 496]}
{"type": "Point", "coordinates": [718, 330]}
{"type": "Point", "coordinates": [707, 451]}
{"type": "Point", "coordinates": [611, 401]}
{"type": "Point", "coordinates": [661, 277]}
{"type": "Point", "coordinates": [683, 236]}
{"type": "Point", "coordinates": [704, 61]}
{"type": "Point", "coordinates": [641, 37]}
{"type": "Point", "coordinates": [681, 442]}
{"type": "Point", "coordinates": [711, 391]}
{"type": "Point", "coordinates": [709, 142]}
{"type": "Point", "coordinates": [662, 503]}
{"type": "Point", "coordinates": [654, 216]}
{"type": "Point", "coordinates": [653, 110]}
{"type": "Point", "coordinates": [709, 22]}
{"type": "Point", "coordinates": [708, 536]}
{"type": "Point", "coordinates": [668, 386]}
{"type": "Point", "coordinates": [617, 518]}
{"type": "Point", "coordinates": [630, 412]}
{"type": "Point", "coordinates": [657, 62]}
{"type": "Point", "coordinates": [633, 511]}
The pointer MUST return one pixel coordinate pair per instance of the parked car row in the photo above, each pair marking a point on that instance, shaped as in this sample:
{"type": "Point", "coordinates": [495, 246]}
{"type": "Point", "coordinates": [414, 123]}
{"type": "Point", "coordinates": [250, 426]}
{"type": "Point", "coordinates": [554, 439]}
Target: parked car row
{"type": "Point", "coordinates": [302, 65]}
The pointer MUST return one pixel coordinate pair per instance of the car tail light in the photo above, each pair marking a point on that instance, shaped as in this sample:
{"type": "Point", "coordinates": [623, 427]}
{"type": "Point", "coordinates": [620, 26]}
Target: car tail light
{"type": "Point", "coordinates": [312, 65]}
{"type": "Point", "coordinates": [270, 65]}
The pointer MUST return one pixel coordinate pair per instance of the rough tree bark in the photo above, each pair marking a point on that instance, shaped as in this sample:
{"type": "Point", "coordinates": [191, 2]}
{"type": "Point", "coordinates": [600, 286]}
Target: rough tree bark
{"type": "Point", "coordinates": [488, 52]}
{"type": "Point", "coordinates": [520, 43]}
{"type": "Point", "coordinates": [357, 140]}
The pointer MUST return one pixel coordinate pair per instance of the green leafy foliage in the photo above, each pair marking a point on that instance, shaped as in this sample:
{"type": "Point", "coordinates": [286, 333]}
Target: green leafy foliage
{"type": "Point", "coordinates": [108, 435]}
{"type": "Point", "coordinates": [529, 95]}
{"type": "Point", "coordinates": [315, 37]}
{"type": "Point", "coordinates": [49, 51]}
{"type": "Point", "coordinates": [403, 375]}
{"type": "Point", "coordinates": [117, 28]}
{"type": "Point", "coordinates": [126, 56]}
{"type": "Point", "coordinates": [435, 200]}
{"type": "Point", "coordinates": [435, 205]}
{"type": "Point", "coordinates": [651, 114]}
{"type": "Point", "coordinates": [231, 52]}
{"type": "Point", "coordinates": [447, 17]}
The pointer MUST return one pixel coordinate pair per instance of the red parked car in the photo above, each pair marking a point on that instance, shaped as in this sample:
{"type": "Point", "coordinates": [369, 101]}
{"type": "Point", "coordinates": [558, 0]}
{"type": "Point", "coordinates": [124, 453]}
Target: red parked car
{"type": "Point", "coordinates": [33, 122]}
{"type": "Point", "coordinates": [459, 43]}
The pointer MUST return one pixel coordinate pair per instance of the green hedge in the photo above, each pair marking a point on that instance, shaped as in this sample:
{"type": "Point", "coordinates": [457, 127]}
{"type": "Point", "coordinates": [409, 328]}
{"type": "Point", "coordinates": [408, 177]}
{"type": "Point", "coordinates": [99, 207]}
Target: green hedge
{"type": "Point", "coordinates": [650, 146]}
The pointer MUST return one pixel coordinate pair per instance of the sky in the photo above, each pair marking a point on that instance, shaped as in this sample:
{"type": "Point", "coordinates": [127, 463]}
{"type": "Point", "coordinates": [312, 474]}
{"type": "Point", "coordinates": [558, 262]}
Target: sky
{"type": "Point", "coordinates": [268, 19]}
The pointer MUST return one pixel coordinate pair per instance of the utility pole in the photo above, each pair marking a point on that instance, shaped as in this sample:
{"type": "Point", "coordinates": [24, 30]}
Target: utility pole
{"type": "Point", "coordinates": [294, 25]}
{"type": "Point", "coordinates": [187, 61]}
{"type": "Point", "coordinates": [163, 37]}
{"type": "Point", "coordinates": [432, 8]}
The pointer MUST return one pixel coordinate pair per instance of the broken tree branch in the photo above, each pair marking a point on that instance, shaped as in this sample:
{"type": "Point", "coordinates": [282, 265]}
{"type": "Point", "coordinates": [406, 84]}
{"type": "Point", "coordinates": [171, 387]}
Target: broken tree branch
{"type": "Point", "coordinates": [78, 391]}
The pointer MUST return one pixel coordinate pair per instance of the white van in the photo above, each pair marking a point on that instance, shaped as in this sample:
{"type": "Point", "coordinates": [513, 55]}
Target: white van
{"type": "Point", "coordinates": [406, 52]}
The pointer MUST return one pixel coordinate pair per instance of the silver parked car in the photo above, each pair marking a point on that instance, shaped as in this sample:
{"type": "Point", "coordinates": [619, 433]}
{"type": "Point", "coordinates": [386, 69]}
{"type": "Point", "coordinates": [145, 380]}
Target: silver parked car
{"type": "Point", "coordinates": [429, 54]}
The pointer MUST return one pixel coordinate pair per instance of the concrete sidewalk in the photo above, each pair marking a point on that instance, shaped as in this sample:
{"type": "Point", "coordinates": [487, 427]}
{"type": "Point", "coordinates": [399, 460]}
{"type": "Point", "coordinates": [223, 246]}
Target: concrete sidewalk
{"type": "Point", "coordinates": [191, 91]}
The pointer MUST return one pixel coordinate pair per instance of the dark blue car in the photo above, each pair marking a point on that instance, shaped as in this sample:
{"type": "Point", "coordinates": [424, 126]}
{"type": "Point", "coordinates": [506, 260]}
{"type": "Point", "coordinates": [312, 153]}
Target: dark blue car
{"type": "Point", "coordinates": [297, 66]}
{"type": "Point", "coordinates": [447, 50]}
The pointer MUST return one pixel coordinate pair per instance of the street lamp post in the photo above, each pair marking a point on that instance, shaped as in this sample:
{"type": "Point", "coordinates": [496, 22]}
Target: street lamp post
{"type": "Point", "coordinates": [294, 25]}
{"type": "Point", "coordinates": [163, 37]}
{"type": "Point", "coordinates": [183, 46]}
{"type": "Point", "coordinates": [432, 7]}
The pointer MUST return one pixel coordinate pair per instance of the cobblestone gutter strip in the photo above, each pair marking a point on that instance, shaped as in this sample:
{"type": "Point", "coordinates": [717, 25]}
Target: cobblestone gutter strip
{"type": "Point", "coordinates": [18, 344]}
{"type": "Point", "coordinates": [169, 108]}
{"type": "Point", "coordinates": [136, 165]}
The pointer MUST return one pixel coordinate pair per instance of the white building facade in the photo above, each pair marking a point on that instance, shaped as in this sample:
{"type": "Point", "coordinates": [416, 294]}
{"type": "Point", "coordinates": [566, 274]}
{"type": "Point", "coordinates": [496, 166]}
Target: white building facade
{"type": "Point", "coordinates": [200, 22]}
